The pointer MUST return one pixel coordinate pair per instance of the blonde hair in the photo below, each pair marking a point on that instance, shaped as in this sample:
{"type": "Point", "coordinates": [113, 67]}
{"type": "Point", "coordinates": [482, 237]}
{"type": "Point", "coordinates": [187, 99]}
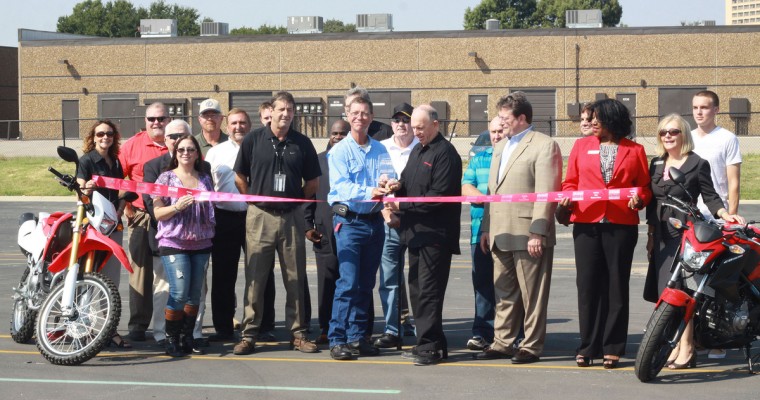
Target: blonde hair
{"type": "Point", "coordinates": [687, 144]}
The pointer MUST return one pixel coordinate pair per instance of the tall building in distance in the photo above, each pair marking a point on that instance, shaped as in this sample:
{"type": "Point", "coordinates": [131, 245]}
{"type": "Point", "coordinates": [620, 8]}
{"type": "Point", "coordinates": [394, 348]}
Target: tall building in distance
{"type": "Point", "coordinates": [742, 12]}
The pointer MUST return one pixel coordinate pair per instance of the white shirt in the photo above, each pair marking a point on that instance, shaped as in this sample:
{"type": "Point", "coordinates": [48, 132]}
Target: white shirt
{"type": "Point", "coordinates": [509, 148]}
{"type": "Point", "coordinates": [720, 148]}
{"type": "Point", "coordinates": [399, 155]}
{"type": "Point", "coordinates": [222, 159]}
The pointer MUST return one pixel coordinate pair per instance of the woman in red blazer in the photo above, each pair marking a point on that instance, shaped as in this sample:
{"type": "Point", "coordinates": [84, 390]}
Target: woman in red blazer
{"type": "Point", "coordinates": [605, 232]}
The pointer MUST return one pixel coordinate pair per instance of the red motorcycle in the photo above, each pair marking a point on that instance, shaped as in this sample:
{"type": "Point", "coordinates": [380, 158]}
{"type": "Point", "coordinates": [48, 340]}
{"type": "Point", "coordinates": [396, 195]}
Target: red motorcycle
{"type": "Point", "coordinates": [715, 283]}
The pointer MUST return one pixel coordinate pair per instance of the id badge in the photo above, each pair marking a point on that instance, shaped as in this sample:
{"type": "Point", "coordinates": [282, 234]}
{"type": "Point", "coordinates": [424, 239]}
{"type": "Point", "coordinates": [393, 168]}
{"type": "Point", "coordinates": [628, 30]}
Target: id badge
{"type": "Point", "coordinates": [279, 182]}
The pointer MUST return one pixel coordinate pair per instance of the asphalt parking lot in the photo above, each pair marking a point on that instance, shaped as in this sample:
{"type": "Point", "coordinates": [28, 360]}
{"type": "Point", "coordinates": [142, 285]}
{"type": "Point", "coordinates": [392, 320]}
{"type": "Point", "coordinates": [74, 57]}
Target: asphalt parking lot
{"type": "Point", "coordinates": [144, 372]}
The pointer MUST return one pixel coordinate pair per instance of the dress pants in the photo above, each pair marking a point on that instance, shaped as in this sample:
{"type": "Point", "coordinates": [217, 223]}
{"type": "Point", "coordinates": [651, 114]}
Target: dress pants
{"type": "Point", "coordinates": [429, 268]}
{"type": "Point", "coordinates": [269, 232]}
{"type": "Point", "coordinates": [141, 279]}
{"type": "Point", "coordinates": [229, 240]}
{"type": "Point", "coordinates": [360, 244]}
{"type": "Point", "coordinates": [482, 284]}
{"type": "Point", "coordinates": [603, 257]}
{"type": "Point", "coordinates": [521, 288]}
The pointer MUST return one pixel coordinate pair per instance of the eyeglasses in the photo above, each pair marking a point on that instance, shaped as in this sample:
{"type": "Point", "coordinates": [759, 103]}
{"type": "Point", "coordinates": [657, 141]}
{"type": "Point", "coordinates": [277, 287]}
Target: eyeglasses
{"type": "Point", "coordinates": [672, 132]}
{"type": "Point", "coordinates": [188, 150]}
{"type": "Point", "coordinates": [402, 120]}
{"type": "Point", "coordinates": [101, 134]}
{"type": "Point", "coordinates": [339, 133]}
{"type": "Point", "coordinates": [174, 136]}
{"type": "Point", "coordinates": [154, 119]}
{"type": "Point", "coordinates": [360, 114]}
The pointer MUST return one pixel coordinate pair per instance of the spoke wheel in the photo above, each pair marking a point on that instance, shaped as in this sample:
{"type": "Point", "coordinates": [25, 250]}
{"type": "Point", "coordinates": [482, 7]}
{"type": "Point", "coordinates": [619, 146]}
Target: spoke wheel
{"type": "Point", "coordinates": [22, 318]}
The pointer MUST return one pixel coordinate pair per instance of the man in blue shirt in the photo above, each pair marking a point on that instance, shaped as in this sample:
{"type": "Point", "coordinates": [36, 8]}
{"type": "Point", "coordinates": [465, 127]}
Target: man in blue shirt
{"type": "Point", "coordinates": [359, 234]}
{"type": "Point", "coordinates": [475, 183]}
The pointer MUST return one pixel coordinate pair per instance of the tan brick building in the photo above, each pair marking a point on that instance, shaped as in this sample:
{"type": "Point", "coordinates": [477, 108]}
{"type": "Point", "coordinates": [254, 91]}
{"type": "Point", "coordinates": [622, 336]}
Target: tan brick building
{"type": "Point", "coordinates": [653, 70]}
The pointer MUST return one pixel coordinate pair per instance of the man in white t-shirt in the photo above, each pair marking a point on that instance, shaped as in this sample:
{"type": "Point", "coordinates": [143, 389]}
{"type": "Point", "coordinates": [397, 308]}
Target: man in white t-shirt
{"type": "Point", "coordinates": [720, 148]}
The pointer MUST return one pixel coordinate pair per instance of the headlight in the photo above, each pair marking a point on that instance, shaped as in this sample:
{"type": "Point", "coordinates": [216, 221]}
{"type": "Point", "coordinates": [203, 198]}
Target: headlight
{"type": "Point", "coordinates": [695, 260]}
{"type": "Point", "coordinates": [107, 226]}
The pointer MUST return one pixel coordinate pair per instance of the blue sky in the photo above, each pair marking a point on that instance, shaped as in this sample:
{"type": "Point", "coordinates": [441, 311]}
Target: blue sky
{"type": "Point", "coordinates": [408, 15]}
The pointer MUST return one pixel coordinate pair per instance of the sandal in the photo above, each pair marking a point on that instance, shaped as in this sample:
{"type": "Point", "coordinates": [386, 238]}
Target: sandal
{"type": "Point", "coordinates": [611, 363]}
{"type": "Point", "coordinates": [583, 361]}
{"type": "Point", "coordinates": [119, 342]}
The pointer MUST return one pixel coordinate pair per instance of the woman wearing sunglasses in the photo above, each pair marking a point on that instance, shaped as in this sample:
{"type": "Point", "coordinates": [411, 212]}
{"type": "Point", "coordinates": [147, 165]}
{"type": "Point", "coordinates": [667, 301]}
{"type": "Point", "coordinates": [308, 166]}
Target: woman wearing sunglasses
{"type": "Point", "coordinates": [604, 232]}
{"type": "Point", "coordinates": [185, 230]}
{"type": "Point", "coordinates": [674, 149]}
{"type": "Point", "coordinates": [101, 151]}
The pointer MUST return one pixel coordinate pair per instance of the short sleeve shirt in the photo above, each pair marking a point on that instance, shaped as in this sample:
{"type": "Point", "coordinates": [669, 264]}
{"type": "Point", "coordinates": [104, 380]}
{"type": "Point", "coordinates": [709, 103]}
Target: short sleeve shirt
{"type": "Point", "coordinates": [93, 163]}
{"type": "Point", "coordinates": [720, 148]}
{"type": "Point", "coordinates": [262, 156]}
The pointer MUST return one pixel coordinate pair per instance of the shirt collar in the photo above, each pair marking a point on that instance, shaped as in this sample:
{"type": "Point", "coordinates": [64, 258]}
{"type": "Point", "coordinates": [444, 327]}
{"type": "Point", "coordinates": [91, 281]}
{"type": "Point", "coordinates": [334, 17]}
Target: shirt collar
{"type": "Point", "coordinates": [519, 136]}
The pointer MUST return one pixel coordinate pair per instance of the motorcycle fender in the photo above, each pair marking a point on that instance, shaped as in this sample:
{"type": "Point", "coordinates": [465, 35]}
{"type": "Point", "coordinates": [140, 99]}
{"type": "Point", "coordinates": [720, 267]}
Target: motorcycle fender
{"type": "Point", "coordinates": [92, 240]}
{"type": "Point", "coordinates": [678, 298]}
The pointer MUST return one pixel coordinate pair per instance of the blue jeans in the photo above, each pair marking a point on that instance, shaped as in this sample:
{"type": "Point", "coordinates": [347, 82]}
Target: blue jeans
{"type": "Point", "coordinates": [359, 243]}
{"type": "Point", "coordinates": [185, 273]}
{"type": "Point", "coordinates": [391, 267]}
{"type": "Point", "coordinates": [482, 283]}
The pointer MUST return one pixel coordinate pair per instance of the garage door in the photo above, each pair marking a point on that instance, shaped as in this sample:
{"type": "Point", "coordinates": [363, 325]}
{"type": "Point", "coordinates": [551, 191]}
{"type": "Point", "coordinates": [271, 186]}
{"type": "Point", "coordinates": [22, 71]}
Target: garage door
{"type": "Point", "coordinates": [250, 102]}
{"type": "Point", "coordinates": [544, 102]}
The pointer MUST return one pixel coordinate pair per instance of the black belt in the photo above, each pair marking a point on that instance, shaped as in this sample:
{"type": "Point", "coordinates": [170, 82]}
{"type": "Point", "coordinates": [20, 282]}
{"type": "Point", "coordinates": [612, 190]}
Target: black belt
{"type": "Point", "coordinates": [343, 211]}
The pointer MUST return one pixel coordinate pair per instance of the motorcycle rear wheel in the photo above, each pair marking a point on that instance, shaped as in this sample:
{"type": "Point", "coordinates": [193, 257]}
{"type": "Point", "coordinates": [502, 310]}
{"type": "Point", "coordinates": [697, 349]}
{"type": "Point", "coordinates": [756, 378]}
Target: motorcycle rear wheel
{"type": "Point", "coordinates": [655, 347]}
{"type": "Point", "coordinates": [72, 341]}
{"type": "Point", "coordinates": [22, 318]}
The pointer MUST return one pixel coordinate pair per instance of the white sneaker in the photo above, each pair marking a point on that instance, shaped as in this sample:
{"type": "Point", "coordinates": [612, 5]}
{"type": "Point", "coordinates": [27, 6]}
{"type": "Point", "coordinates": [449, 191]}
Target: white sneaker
{"type": "Point", "coordinates": [716, 353]}
{"type": "Point", "coordinates": [477, 343]}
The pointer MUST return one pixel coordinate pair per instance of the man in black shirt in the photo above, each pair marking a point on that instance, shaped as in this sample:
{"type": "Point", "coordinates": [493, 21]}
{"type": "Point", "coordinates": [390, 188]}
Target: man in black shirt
{"type": "Point", "coordinates": [430, 230]}
{"type": "Point", "coordinates": [274, 161]}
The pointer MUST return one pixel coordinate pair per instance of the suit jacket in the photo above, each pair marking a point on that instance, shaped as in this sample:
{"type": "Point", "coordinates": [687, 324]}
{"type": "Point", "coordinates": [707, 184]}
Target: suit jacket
{"type": "Point", "coordinates": [319, 215]}
{"type": "Point", "coordinates": [534, 166]}
{"type": "Point", "coordinates": [584, 173]}
{"type": "Point", "coordinates": [698, 181]}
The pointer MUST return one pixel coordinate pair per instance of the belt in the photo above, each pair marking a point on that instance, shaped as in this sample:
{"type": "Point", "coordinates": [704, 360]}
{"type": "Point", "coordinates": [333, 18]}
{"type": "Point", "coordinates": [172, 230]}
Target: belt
{"type": "Point", "coordinates": [341, 210]}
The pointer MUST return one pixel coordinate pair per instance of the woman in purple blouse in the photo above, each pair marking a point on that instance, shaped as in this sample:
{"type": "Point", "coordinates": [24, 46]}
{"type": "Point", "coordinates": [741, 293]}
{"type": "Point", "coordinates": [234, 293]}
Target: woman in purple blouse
{"type": "Point", "coordinates": [185, 229]}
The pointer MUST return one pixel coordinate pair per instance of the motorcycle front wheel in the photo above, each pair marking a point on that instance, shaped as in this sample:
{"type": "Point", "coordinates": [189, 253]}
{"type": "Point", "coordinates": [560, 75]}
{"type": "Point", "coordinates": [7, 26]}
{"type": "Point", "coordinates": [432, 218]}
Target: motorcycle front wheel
{"type": "Point", "coordinates": [74, 339]}
{"type": "Point", "coordinates": [22, 317]}
{"type": "Point", "coordinates": [658, 342]}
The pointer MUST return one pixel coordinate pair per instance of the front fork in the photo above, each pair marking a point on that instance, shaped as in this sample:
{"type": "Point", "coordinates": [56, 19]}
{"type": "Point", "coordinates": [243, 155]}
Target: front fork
{"type": "Point", "coordinates": [72, 272]}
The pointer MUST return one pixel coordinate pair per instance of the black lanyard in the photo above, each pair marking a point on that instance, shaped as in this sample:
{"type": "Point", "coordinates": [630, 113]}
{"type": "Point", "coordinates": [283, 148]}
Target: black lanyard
{"type": "Point", "coordinates": [279, 155]}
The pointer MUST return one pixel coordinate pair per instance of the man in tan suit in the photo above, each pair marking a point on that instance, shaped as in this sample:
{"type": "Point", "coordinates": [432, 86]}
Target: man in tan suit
{"type": "Point", "coordinates": [520, 236]}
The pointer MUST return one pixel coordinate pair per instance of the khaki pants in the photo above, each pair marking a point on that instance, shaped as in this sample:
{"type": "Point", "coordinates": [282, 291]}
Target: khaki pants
{"type": "Point", "coordinates": [266, 233]}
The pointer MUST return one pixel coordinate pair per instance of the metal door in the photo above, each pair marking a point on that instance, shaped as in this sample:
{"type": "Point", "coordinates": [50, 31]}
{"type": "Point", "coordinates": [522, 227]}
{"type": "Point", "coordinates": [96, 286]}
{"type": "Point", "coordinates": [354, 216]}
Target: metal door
{"type": "Point", "coordinates": [677, 100]}
{"type": "Point", "coordinates": [383, 103]}
{"type": "Point", "coordinates": [629, 100]}
{"type": "Point", "coordinates": [70, 117]}
{"type": "Point", "coordinates": [248, 101]}
{"type": "Point", "coordinates": [478, 114]}
{"type": "Point", "coordinates": [544, 103]}
{"type": "Point", "coordinates": [334, 110]}
{"type": "Point", "coordinates": [123, 111]}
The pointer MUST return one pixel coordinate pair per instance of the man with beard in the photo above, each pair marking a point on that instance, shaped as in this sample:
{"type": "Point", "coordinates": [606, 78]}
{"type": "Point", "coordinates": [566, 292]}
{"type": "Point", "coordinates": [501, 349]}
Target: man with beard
{"type": "Point", "coordinates": [142, 147]}
{"type": "Point", "coordinates": [210, 117]}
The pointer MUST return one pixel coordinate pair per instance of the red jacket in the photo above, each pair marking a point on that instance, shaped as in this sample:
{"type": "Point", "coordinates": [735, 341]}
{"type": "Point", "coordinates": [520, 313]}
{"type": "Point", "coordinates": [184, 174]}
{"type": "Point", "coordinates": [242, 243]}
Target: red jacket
{"type": "Point", "coordinates": [584, 173]}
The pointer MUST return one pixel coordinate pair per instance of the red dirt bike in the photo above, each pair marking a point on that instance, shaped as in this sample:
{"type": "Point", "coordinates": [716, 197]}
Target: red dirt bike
{"type": "Point", "coordinates": [79, 315]}
{"type": "Point", "coordinates": [715, 283]}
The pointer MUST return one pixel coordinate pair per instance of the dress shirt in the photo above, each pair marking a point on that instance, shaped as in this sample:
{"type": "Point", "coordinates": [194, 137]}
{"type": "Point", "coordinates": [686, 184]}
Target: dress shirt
{"type": "Point", "coordinates": [353, 174]}
{"type": "Point", "coordinates": [399, 155]}
{"type": "Point", "coordinates": [222, 159]}
{"type": "Point", "coordinates": [508, 149]}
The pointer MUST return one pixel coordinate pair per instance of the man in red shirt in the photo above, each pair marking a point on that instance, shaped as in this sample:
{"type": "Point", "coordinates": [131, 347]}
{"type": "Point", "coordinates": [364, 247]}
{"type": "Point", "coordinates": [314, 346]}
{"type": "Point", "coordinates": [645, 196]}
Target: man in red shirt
{"type": "Point", "coordinates": [144, 146]}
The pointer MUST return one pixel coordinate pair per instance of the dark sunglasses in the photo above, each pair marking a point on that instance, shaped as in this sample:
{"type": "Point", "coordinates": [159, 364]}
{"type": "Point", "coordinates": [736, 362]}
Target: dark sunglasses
{"type": "Point", "coordinates": [672, 132]}
{"type": "Point", "coordinates": [188, 150]}
{"type": "Point", "coordinates": [174, 136]}
{"type": "Point", "coordinates": [404, 120]}
{"type": "Point", "coordinates": [101, 134]}
{"type": "Point", "coordinates": [154, 119]}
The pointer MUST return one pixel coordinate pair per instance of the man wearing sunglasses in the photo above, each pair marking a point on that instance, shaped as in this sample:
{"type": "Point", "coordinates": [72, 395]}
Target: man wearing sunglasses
{"type": "Point", "coordinates": [135, 152]}
{"type": "Point", "coordinates": [392, 288]}
{"type": "Point", "coordinates": [210, 118]}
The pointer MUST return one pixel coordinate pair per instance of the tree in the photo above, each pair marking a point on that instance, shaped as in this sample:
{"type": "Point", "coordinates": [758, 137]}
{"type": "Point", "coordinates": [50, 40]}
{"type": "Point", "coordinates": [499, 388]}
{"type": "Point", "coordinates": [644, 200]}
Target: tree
{"type": "Point", "coordinates": [120, 18]}
{"type": "Point", "coordinates": [334, 25]}
{"type": "Point", "coordinates": [516, 14]}
{"type": "Point", "coordinates": [513, 14]}
{"type": "Point", "coordinates": [262, 30]}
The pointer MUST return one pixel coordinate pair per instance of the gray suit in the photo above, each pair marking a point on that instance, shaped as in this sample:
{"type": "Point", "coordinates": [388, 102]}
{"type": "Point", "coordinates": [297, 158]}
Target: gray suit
{"type": "Point", "coordinates": [522, 282]}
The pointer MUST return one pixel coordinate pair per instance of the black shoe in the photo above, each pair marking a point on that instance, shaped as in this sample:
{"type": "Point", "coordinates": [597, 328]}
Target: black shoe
{"type": "Point", "coordinates": [341, 352]}
{"type": "Point", "coordinates": [201, 342]}
{"type": "Point", "coordinates": [222, 337]}
{"type": "Point", "coordinates": [489, 353]}
{"type": "Point", "coordinates": [524, 357]}
{"type": "Point", "coordinates": [387, 341]}
{"type": "Point", "coordinates": [137, 336]}
{"type": "Point", "coordinates": [363, 348]}
{"type": "Point", "coordinates": [427, 357]}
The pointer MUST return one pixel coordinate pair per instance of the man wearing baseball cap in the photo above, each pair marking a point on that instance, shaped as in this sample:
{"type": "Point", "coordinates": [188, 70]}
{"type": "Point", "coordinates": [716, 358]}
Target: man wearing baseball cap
{"type": "Point", "coordinates": [210, 118]}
